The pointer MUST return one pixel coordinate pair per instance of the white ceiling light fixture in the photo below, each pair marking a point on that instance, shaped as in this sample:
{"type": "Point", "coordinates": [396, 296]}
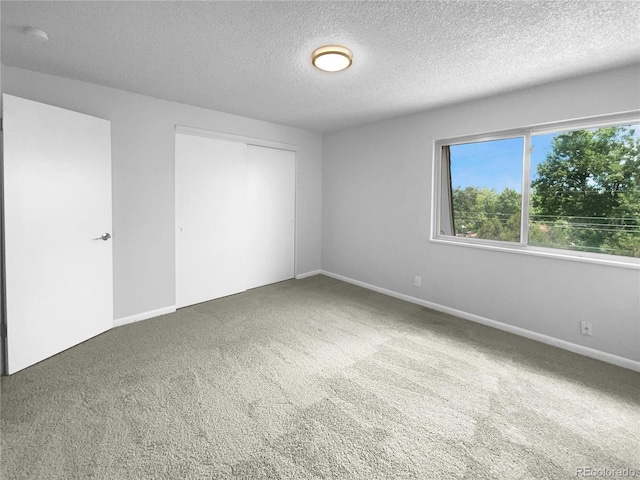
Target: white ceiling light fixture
{"type": "Point", "coordinates": [37, 34]}
{"type": "Point", "coordinates": [332, 58]}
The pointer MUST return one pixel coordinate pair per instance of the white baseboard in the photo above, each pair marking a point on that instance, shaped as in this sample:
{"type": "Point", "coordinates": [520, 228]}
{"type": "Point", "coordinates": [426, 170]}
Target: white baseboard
{"type": "Point", "coordinates": [143, 316]}
{"type": "Point", "coordinates": [556, 342]}
{"type": "Point", "coordinates": [300, 276]}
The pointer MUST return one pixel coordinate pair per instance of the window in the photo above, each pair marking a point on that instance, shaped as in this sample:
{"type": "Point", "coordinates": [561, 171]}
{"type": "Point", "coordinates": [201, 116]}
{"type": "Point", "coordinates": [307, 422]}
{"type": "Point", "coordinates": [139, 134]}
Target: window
{"type": "Point", "coordinates": [569, 187]}
{"type": "Point", "coordinates": [485, 189]}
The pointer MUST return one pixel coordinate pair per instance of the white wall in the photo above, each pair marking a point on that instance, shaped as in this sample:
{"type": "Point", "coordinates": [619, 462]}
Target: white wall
{"type": "Point", "coordinates": [377, 207]}
{"type": "Point", "coordinates": [143, 178]}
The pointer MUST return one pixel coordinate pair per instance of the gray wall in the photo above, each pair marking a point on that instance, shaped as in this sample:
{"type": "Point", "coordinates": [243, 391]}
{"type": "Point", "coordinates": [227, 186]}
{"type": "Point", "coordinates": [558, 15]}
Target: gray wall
{"type": "Point", "coordinates": [376, 216]}
{"type": "Point", "coordinates": [143, 178]}
{"type": "Point", "coordinates": [375, 204]}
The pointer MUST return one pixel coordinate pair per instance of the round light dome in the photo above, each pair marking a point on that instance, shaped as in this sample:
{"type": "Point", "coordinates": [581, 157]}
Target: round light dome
{"type": "Point", "coordinates": [332, 58]}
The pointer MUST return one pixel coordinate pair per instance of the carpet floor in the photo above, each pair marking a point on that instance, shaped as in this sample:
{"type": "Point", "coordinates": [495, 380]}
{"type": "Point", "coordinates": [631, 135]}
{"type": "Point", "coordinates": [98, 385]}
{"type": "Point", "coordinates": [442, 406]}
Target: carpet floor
{"type": "Point", "coordinates": [316, 379]}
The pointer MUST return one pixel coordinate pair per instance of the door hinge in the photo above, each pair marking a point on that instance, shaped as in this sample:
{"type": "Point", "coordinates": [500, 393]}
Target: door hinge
{"type": "Point", "coordinates": [3, 330]}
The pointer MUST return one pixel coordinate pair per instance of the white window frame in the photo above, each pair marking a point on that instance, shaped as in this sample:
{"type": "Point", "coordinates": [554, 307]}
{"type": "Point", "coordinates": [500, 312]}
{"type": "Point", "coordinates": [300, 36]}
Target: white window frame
{"type": "Point", "coordinates": [522, 247]}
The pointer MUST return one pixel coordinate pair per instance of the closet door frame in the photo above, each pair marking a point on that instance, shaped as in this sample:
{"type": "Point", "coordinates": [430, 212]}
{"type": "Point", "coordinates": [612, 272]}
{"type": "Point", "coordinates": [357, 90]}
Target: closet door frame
{"type": "Point", "coordinates": [259, 142]}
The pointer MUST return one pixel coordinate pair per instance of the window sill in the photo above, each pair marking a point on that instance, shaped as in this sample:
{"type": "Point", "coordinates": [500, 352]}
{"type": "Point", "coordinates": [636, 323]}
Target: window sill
{"type": "Point", "coordinates": [570, 255]}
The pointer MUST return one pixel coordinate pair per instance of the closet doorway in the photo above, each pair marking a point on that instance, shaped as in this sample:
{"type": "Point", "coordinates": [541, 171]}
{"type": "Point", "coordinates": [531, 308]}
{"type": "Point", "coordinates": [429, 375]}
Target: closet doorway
{"type": "Point", "coordinates": [235, 215]}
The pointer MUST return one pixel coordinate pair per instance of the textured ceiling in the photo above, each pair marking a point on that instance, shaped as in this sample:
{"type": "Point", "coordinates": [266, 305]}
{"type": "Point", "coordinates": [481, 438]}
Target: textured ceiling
{"type": "Point", "coordinates": [253, 58]}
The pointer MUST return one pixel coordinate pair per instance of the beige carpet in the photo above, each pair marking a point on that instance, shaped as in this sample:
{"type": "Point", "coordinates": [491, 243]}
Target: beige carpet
{"type": "Point", "coordinates": [316, 379]}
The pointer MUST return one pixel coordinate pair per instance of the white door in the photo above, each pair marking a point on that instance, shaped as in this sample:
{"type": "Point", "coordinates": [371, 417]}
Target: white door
{"type": "Point", "coordinates": [235, 207]}
{"type": "Point", "coordinates": [270, 215]}
{"type": "Point", "coordinates": [59, 282]}
{"type": "Point", "coordinates": [210, 218]}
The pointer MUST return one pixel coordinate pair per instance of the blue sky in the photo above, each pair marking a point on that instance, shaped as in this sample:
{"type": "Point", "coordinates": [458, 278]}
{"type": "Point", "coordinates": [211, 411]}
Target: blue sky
{"type": "Point", "coordinates": [500, 161]}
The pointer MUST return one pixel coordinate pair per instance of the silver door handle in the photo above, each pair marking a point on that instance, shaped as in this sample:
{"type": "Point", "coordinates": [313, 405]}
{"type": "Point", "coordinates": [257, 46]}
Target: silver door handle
{"type": "Point", "coordinates": [104, 236]}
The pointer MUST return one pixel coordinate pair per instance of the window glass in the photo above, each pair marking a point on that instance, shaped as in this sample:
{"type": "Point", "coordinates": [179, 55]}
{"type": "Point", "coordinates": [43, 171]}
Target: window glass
{"type": "Point", "coordinates": [585, 190]}
{"type": "Point", "coordinates": [484, 190]}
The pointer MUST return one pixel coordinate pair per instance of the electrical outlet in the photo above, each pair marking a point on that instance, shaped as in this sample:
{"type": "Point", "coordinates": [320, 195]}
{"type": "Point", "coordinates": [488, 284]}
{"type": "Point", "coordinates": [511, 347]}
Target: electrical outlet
{"type": "Point", "coordinates": [417, 281]}
{"type": "Point", "coordinates": [586, 328]}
